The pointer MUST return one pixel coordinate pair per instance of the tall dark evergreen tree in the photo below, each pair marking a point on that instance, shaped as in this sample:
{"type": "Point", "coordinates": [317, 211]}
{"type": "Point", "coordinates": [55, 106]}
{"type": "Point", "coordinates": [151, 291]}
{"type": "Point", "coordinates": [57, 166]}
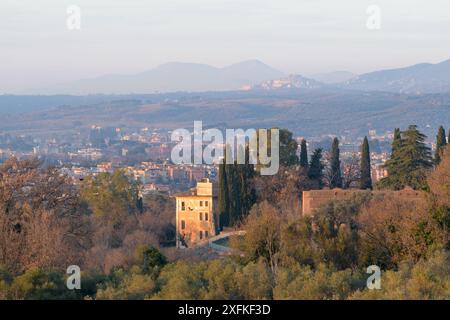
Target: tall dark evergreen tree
{"type": "Point", "coordinates": [288, 149]}
{"type": "Point", "coordinates": [365, 177]}
{"type": "Point", "coordinates": [237, 194]}
{"type": "Point", "coordinates": [140, 204]}
{"type": "Point", "coordinates": [392, 180]}
{"type": "Point", "coordinates": [397, 141]}
{"type": "Point", "coordinates": [234, 187]}
{"type": "Point", "coordinates": [440, 144]}
{"type": "Point", "coordinates": [410, 157]}
{"type": "Point", "coordinates": [414, 152]}
{"type": "Point", "coordinates": [248, 192]}
{"type": "Point", "coordinates": [315, 170]}
{"type": "Point", "coordinates": [303, 154]}
{"type": "Point", "coordinates": [223, 205]}
{"type": "Point", "coordinates": [335, 166]}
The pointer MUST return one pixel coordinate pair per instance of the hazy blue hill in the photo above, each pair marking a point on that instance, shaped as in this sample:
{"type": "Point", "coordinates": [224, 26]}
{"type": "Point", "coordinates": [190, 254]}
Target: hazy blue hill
{"type": "Point", "coordinates": [193, 77]}
{"type": "Point", "coordinates": [419, 78]}
{"type": "Point", "coordinates": [251, 72]}
{"type": "Point", "coordinates": [170, 77]}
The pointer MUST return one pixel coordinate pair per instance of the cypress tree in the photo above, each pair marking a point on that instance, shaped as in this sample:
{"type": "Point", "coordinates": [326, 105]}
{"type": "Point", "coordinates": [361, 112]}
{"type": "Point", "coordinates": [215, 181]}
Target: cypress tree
{"type": "Point", "coordinates": [315, 170]}
{"type": "Point", "coordinates": [335, 166]}
{"type": "Point", "coordinates": [391, 164]}
{"type": "Point", "coordinates": [248, 192]}
{"type": "Point", "coordinates": [242, 176]}
{"type": "Point", "coordinates": [235, 184]}
{"type": "Point", "coordinates": [229, 173]}
{"type": "Point", "coordinates": [241, 180]}
{"type": "Point", "coordinates": [440, 144]}
{"type": "Point", "coordinates": [303, 154]}
{"type": "Point", "coordinates": [223, 205]}
{"type": "Point", "coordinates": [236, 194]}
{"type": "Point", "coordinates": [365, 179]}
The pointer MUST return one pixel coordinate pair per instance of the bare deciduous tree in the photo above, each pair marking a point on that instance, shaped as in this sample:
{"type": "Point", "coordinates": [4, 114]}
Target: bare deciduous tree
{"type": "Point", "coordinates": [352, 170]}
{"type": "Point", "coordinates": [39, 220]}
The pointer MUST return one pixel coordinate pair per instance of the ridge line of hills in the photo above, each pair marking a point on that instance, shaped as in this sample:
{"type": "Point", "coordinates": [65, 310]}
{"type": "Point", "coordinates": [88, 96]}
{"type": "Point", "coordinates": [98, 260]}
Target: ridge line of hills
{"type": "Point", "coordinates": [255, 75]}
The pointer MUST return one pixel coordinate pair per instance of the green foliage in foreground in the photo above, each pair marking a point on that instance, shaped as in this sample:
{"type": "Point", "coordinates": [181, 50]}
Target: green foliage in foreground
{"type": "Point", "coordinates": [428, 279]}
{"type": "Point", "coordinates": [228, 279]}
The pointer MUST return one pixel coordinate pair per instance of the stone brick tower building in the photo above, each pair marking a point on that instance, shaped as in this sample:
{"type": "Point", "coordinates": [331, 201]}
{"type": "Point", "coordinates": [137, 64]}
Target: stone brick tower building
{"type": "Point", "coordinates": [196, 215]}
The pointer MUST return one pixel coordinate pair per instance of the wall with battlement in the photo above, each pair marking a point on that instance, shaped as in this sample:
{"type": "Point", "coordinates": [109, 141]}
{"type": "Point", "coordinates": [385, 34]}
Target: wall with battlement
{"type": "Point", "coordinates": [314, 199]}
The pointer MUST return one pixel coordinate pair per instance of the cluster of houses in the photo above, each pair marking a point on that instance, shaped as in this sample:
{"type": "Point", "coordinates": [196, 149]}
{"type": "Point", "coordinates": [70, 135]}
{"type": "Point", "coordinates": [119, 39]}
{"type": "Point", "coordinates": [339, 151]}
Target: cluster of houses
{"type": "Point", "coordinates": [152, 176]}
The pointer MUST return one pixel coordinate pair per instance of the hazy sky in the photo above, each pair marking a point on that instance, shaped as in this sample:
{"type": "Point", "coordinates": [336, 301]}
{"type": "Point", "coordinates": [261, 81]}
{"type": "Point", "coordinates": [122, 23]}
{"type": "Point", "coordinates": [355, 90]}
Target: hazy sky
{"type": "Point", "coordinates": [295, 36]}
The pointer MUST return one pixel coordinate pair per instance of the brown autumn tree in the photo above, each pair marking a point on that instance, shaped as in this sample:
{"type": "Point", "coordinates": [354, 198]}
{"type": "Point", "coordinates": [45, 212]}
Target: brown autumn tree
{"type": "Point", "coordinates": [119, 226]}
{"type": "Point", "coordinates": [439, 183]}
{"type": "Point", "coordinates": [40, 224]}
{"type": "Point", "coordinates": [393, 229]}
{"type": "Point", "coordinates": [263, 235]}
{"type": "Point", "coordinates": [284, 189]}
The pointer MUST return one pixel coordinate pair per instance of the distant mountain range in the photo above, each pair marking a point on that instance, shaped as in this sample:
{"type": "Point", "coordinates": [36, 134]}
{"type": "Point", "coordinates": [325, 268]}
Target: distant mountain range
{"type": "Point", "coordinates": [417, 79]}
{"type": "Point", "coordinates": [422, 78]}
{"type": "Point", "coordinates": [255, 75]}
{"type": "Point", "coordinates": [172, 77]}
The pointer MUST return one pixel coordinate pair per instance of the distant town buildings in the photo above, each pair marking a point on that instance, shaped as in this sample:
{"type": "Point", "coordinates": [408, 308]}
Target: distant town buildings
{"type": "Point", "coordinates": [378, 172]}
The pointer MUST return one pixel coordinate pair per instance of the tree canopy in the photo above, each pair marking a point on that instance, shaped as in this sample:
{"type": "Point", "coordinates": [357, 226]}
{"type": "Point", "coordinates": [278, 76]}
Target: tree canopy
{"type": "Point", "coordinates": [409, 160]}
